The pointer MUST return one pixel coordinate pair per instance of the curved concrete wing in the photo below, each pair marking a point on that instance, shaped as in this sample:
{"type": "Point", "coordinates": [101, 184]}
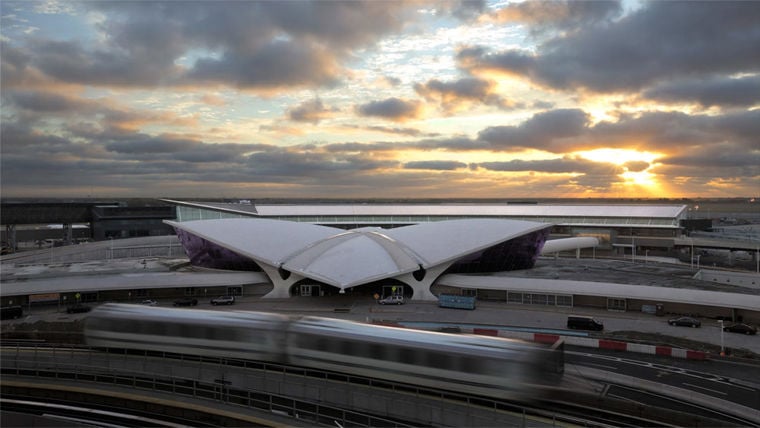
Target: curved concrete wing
{"type": "Point", "coordinates": [270, 241]}
{"type": "Point", "coordinates": [352, 258]}
{"type": "Point", "coordinates": [442, 241]}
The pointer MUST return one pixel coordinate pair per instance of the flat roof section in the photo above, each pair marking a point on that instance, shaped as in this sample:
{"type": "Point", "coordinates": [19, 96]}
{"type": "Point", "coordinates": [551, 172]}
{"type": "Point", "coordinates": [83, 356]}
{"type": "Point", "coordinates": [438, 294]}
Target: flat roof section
{"type": "Point", "coordinates": [479, 210]}
{"type": "Point", "coordinates": [605, 289]}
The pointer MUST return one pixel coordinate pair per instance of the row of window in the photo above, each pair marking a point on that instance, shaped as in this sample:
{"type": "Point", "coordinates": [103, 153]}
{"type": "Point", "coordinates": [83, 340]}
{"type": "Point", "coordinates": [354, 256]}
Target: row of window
{"type": "Point", "coordinates": [540, 299]}
{"type": "Point", "coordinates": [181, 330]}
{"type": "Point", "coordinates": [191, 213]}
{"type": "Point", "coordinates": [403, 354]}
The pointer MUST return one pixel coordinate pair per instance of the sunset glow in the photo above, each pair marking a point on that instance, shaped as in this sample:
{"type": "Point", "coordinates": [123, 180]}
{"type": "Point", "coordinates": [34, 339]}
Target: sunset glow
{"type": "Point", "coordinates": [379, 99]}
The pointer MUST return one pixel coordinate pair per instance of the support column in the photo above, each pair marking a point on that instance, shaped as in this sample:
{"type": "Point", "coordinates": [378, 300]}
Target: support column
{"type": "Point", "coordinates": [10, 233]}
{"type": "Point", "coordinates": [67, 234]}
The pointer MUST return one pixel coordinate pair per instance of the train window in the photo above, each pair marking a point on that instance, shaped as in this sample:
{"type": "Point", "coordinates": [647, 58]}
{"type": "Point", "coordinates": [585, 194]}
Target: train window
{"type": "Point", "coordinates": [406, 355]}
{"type": "Point", "coordinates": [346, 347]}
{"type": "Point", "coordinates": [363, 350]}
{"type": "Point", "coordinates": [439, 360]}
{"type": "Point", "coordinates": [377, 351]}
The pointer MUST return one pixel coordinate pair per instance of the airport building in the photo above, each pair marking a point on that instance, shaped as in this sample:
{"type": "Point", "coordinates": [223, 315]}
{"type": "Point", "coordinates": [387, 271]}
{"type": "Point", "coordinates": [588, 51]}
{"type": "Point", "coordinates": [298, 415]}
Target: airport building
{"type": "Point", "coordinates": [617, 227]}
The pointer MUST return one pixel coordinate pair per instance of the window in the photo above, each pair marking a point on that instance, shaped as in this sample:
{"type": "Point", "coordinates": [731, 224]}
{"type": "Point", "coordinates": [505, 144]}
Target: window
{"type": "Point", "coordinates": [615, 304]}
{"type": "Point", "coordinates": [514, 297]}
{"type": "Point", "coordinates": [564, 300]}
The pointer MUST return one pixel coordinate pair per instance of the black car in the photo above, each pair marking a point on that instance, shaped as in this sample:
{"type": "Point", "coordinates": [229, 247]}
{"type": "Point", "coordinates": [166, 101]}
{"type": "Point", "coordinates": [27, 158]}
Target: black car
{"type": "Point", "coordinates": [78, 309]}
{"type": "Point", "coordinates": [685, 321]}
{"type": "Point", "coordinates": [741, 328]}
{"type": "Point", "coordinates": [186, 301]}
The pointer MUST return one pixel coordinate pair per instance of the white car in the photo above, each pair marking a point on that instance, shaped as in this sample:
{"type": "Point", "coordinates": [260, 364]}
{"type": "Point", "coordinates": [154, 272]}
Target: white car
{"type": "Point", "coordinates": [223, 300]}
{"type": "Point", "coordinates": [392, 300]}
{"type": "Point", "coordinates": [149, 302]}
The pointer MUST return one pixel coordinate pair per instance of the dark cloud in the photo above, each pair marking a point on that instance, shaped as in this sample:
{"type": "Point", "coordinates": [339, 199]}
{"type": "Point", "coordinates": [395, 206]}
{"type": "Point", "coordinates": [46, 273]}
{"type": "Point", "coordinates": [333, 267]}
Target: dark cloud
{"type": "Point", "coordinates": [274, 65]}
{"type": "Point", "coordinates": [289, 165]}
{"type": "Point", "coordinates": [394, 109]}
{"type": "Point", "coordinates": [458, 94]}
{"type": "Point", "coordinates": [717, 91]}
{"type": "Point", "coordinates": [46, 102]}
{"type": "Point", "coordinates": [435, 165]}
{"type": "Point", "coordinates": [310, 111]}
{"type": "Point", "coordinates": [395, 130]}
{"type": "Point", "coordinates": [558, 15]}
{"type": "Point", "coordinates": [166, 147]}
{"type": "Point", "coordinates": [554, 166]}
{"type": "Point", "coordinates": [636, 166]}
{"type": "Point", "coordinates": [255, 44]}
{"type": "Point", "coordinates": [544, 130]}
{"type": "Point", "coordinates": [583, 173]}
{"type": "Point", "coordinates": [661, 41]}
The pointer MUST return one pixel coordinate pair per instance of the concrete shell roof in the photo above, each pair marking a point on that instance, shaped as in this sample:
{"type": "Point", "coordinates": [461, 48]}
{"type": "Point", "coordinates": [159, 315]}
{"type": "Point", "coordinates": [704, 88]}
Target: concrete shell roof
{"type": "Point", "coordinates": [348, 258]}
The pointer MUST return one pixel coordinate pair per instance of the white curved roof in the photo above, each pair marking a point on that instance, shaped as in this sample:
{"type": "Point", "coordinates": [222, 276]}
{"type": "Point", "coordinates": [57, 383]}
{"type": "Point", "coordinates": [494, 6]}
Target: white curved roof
{"type": "Point", "coordinates": [347, 258]}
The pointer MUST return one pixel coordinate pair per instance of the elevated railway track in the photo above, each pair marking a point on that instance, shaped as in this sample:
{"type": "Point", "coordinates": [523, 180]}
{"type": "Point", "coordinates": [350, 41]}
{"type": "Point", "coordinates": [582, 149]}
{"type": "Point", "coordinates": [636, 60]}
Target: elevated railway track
{"type": "Point", "coordinates": [269, 392]}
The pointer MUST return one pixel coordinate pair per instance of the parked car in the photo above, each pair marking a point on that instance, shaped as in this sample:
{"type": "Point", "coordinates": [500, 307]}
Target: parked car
{"type": "Point", "coordinates": [149, 302]}
{"type": "Point", "coordinates": [584, 323]}
{"type": "Point", "coordinates": [186, 301]}
{"type": "Point", "coordinates": [685, 321]}
{"type": "Point", "coordinates": [78, 308]}
{"type": "Point", "coordinates": [392, 300]}
{"type": "Point", "coordinates": [741, 328]}
{"type": "Point", "coordinates": [223, 300]}
{"type": "Point", "coordinates": [12, 312]}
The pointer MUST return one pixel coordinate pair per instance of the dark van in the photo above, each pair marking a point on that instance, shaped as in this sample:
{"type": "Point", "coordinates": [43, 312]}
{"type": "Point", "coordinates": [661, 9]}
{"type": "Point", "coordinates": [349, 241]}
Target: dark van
{"type": "Point", "coordinates": [11, 312]}
{"type": "Point", "coordinates": [584, 323]}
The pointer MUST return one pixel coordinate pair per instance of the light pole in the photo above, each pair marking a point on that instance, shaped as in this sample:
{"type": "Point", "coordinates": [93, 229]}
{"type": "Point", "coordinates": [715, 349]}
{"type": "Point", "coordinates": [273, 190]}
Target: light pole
{"type": "Point", "coordinates": [692, 252]}
{"type": "Point", "coordinates": [646, 256]}
{"type": "Point", "coordinates": [722, 351]}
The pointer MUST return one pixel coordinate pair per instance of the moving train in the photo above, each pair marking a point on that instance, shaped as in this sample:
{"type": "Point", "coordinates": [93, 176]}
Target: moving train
{"type": "Point", "coordinates": [480, 365]}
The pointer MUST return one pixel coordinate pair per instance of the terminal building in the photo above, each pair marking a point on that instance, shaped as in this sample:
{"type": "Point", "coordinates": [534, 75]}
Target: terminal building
{"type": "Point", "coordinates": [618, 228]}
{"type": "Point", "coordinates": [420, 251]}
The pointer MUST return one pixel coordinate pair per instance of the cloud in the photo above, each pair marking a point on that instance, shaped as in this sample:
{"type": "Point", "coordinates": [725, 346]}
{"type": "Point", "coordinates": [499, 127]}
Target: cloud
{"type": "Point", "coordinates": [659, 42]}
{"type": "Point", "coordinates": [394, 109]}
{"type": "Point", "coordinates": [563, 165]}
{"type": "Point", "coordinates": [544, 130]}
{"type": "Point", "coordinates": [275, 65]}
{"type": "Point", "coordinates": [435, 165]}
{"type": "Point", "coordinates": [310, 111]}
{"type": "Point", "coordinates": [715, 91]}
{"type": "Point", "coordinates": [460, 94]}
{"type": "Point", "coordinates": [551, 15]}
{"type": "Point", "coordinates": [251, 45]}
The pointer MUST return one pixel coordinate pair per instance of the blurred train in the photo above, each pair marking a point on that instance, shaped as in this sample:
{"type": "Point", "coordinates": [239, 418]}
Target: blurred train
{"type": "Point", "coordinates": [480, 365]}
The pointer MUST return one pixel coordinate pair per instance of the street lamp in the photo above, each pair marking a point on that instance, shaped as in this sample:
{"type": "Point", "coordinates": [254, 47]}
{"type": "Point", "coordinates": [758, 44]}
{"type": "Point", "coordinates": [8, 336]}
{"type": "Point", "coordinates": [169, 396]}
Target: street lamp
{"type": "Point", "coordinates": [722, 351]}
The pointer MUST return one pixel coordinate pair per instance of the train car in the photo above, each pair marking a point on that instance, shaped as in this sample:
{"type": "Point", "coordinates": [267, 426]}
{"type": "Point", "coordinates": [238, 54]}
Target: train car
{"type": "Point", "coordinates": [481, 365]}
{"type": "Point", "coordinates": [244, 335]}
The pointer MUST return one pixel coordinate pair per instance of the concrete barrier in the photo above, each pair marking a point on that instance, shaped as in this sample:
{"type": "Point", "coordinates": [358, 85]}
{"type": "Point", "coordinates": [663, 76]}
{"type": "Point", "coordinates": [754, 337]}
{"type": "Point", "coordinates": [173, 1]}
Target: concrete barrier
{"type": "Point", "coordinates": [587, 342]}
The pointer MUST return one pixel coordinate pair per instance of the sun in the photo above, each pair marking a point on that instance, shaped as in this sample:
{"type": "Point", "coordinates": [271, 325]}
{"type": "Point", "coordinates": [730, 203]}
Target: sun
{"type": "Point", "coordinates": [637, 165]}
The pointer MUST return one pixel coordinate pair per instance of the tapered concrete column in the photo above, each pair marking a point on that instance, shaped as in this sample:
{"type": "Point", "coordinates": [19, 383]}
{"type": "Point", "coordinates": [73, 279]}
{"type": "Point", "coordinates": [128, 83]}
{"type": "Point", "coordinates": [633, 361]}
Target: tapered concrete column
{"type": "Point", "coordinates": [10, 232]}
{"type": "Point", "coordinates": [67, 234]}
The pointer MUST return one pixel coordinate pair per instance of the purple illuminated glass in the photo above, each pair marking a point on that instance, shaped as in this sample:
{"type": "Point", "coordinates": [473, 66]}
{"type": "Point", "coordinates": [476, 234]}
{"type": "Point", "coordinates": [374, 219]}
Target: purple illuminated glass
{"type": "Point", "coordinates": [206, 254]}
{"type": "Point", "coordinates": [515, 254]}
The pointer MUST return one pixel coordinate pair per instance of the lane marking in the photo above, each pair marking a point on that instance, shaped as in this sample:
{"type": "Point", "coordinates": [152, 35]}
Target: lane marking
{"type": "Point", "coordinates": [620, 397]}
{"type": "Point", "coordinates": [706, 389]}
{"type": "Point", "coordinates": [602, 365]}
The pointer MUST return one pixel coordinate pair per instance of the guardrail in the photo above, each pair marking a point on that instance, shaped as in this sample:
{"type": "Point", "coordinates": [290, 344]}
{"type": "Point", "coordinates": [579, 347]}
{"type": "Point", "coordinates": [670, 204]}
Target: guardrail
{"type": "Point", "coordinates": [218, 391]}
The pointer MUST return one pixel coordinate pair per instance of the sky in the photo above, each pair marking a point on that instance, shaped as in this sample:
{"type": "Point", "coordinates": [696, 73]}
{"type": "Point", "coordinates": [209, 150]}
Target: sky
{"type": "Point", "coordinates": [380, 99]}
